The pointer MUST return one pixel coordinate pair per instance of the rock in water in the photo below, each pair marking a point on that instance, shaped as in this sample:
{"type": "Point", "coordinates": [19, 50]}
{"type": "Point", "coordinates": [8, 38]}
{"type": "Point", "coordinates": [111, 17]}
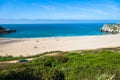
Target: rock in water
{"type": "Point", "coordinates": [112, 28]}
{"type": "Point", "coordinates": [5, 31]}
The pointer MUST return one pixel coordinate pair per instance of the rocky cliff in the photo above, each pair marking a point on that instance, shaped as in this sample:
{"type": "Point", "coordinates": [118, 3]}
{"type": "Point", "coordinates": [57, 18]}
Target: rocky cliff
{"type": "Point", "coordinates": [113, 28]}
{"type": "Point", "coordinates": [5, 31]}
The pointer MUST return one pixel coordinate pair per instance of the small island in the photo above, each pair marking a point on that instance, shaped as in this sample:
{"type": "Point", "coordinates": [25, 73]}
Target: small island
{"type": "Point", "coordinates": [112, 28]}
{"type": "Point", "coordinates": [5, 31]}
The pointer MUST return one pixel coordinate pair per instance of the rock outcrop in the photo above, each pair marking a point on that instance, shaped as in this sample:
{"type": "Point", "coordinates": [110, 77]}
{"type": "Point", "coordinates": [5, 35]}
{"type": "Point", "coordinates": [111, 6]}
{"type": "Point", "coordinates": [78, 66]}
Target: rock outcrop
{"type": "Point", "coordinates": [112, 28]}
{"type": "Point", "coordinates": [5, 31]}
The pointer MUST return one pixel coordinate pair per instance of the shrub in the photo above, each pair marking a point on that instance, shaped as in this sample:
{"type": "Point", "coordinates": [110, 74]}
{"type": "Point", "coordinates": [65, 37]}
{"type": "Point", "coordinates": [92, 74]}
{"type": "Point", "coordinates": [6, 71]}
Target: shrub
{"type": "Point", "coordinates": [60, 58]}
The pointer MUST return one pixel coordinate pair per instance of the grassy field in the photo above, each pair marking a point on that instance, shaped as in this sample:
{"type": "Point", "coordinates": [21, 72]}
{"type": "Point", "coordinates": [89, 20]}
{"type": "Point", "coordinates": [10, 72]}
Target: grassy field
{"type": "Point", "coordinates": [101, 64]}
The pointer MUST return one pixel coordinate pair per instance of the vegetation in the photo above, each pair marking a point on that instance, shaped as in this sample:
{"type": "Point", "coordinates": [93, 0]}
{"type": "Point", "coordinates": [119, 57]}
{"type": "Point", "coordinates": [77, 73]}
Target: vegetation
{"type": "Point", "coordinates": [9, 58]}
{"type": "Point", "coordinates": [102, 64]}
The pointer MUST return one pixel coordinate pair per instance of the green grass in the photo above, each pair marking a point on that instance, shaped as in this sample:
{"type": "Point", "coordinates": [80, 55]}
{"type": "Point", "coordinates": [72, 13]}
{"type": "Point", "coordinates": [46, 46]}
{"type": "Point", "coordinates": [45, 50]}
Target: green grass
{"type": "Point", "coordinates": [98, 64]}
{"type": "Point", "coordinates": [9, 58]}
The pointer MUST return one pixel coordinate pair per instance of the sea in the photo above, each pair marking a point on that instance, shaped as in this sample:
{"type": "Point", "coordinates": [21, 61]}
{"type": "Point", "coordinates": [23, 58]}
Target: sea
{"type": "Point", "coordinates": [53, 30]}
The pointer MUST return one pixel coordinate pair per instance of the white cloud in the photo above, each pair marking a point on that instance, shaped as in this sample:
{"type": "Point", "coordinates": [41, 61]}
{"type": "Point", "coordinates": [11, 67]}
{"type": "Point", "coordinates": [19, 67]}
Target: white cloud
{"type": "Point", "coordinates": [86, 10]}
{"type": "Point", "coordinates": [90, 10]}
{"type": "Point", "coordinates": [113, 7]}
{"type": "Point", "coordinates": [47, 7]}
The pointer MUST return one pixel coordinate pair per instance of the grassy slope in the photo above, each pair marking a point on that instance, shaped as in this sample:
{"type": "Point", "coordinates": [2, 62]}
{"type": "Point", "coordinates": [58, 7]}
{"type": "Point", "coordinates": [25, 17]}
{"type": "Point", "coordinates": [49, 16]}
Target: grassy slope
{"type": "Point", "coordinates": [75, 65]}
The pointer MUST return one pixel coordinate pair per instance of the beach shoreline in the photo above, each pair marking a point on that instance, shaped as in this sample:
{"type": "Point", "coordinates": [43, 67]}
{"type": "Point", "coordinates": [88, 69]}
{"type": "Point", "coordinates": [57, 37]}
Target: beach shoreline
{"type": "Point", "coordinates": [33, 46]}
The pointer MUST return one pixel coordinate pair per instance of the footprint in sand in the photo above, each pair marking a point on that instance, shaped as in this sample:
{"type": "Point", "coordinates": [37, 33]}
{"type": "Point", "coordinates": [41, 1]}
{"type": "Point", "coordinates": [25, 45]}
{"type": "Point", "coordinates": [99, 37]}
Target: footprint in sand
{"type": "Point", "coordinates": [35, 47]}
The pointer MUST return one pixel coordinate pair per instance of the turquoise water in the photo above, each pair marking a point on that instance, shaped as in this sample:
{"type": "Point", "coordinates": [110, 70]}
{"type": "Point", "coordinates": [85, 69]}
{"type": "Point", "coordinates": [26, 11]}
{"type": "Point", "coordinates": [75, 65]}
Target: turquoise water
{"type": "Point", "coordinates": [52, 30]}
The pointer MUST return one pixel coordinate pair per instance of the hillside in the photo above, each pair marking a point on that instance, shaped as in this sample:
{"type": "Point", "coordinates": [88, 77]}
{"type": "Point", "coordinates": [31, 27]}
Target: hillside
{"type": "Point", "coordinates": [99, 64]}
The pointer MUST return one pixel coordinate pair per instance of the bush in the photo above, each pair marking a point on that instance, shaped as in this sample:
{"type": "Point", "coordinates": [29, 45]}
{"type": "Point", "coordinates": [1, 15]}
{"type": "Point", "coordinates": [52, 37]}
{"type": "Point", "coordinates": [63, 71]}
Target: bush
{"type": "Point", "coordinates": [60, 58]}
{"type": "Point", "coordinates": [32, 74]}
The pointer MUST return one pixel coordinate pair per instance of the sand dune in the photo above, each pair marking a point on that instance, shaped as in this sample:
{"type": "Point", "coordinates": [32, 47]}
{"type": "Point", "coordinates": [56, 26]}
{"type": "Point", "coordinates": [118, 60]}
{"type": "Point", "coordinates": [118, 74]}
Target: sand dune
{"type": "Point", "coordinates": [32, 46]}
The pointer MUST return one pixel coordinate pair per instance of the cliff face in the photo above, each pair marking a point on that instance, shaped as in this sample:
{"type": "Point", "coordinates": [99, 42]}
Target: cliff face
{"type": "Point", "coordinates": [114, 28]}
{"type": "Point", "coordinates": [4, 31]}
{"type": "Point", "coordinates": [1, 28]}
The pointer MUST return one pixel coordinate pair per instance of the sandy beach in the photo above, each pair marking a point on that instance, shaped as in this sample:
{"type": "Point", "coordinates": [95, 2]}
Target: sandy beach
{"type": "Point", "coordinates": [33, 46]}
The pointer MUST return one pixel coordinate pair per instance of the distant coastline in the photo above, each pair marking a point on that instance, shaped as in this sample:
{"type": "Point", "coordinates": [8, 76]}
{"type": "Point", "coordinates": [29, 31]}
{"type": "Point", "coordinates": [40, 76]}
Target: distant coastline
{"type": "Point", "coordinates": [52, 21]}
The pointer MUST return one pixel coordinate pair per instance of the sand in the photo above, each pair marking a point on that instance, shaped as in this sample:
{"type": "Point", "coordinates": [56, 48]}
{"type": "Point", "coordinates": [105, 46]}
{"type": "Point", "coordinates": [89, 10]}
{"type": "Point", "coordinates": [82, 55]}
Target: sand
{"type": "Point", "coordinates": [33, 46]}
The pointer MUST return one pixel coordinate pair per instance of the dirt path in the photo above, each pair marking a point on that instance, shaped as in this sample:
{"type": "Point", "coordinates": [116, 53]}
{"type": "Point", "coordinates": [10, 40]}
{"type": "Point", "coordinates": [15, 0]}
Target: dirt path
{"type": "Point", "coordinates": [29, 59]}
{"type": "Point", "coordinates": [16, 61]}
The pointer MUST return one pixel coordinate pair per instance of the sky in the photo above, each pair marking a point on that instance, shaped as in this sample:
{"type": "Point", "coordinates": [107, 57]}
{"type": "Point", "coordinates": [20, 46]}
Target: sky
{"type": "Point", "coordinates": [60, 9]}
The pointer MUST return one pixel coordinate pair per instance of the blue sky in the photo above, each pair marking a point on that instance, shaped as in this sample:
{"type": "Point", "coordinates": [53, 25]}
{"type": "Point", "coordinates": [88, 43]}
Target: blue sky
{"type": "Point", "coordinates": [60, 9]}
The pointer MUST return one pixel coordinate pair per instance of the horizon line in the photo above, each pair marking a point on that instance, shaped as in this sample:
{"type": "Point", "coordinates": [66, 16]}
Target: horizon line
{"type": "Point", "coordinates": [58, 19]}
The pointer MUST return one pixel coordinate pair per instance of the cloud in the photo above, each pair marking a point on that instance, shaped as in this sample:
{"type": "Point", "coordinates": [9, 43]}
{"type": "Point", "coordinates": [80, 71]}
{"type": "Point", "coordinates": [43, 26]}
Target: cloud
{"type": "Point", "coordinates": [113, 7]}
{"type": "Point", "coordinates": [47, 7]}
{"type": "Point", "coordinates": [86, 10]}
{"type": "Point", "coordinates": [94, 11]}
{"type": "Point", "coordinates": [43, 6]}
